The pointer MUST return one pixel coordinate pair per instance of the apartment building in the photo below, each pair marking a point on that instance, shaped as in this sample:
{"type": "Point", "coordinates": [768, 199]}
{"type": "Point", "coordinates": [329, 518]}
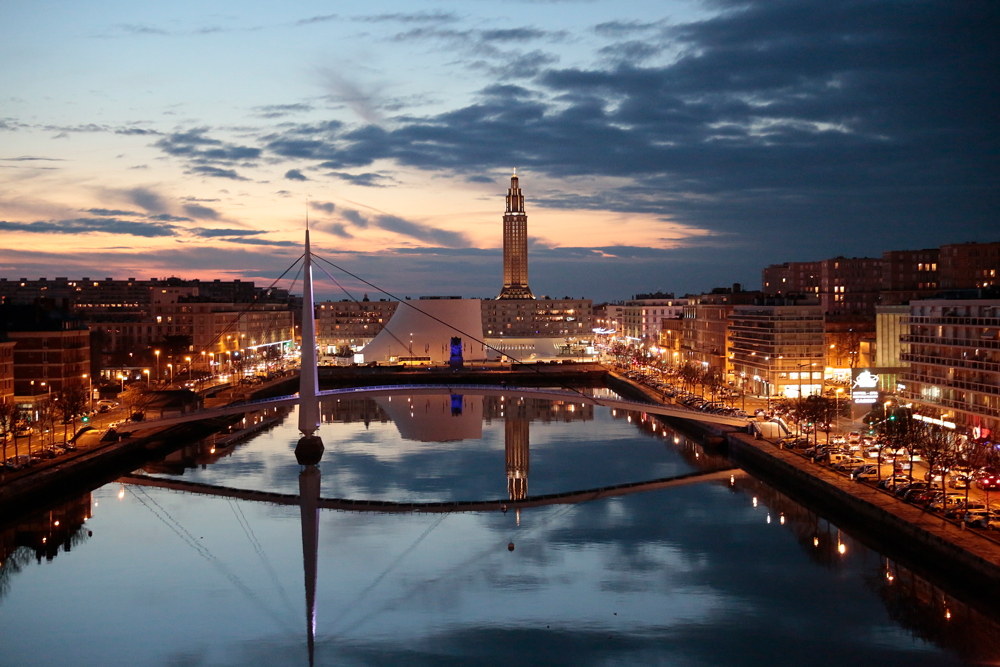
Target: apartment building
{"type": "Point", "coordinates": [538, 318]}
{"type": "Point", "coordinates": [954, 363]}
{"type": "Point", "coordinates": [777, 347]}
{"type": "Point", "coordinates": [642, 316]}
{"type": "Point", "coordinates": [351, 323]}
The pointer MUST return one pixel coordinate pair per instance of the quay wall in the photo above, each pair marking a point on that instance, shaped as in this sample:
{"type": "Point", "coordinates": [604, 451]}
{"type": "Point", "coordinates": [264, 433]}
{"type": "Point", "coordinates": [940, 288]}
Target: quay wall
{"type": "Point", "coordinates": [922, 541]}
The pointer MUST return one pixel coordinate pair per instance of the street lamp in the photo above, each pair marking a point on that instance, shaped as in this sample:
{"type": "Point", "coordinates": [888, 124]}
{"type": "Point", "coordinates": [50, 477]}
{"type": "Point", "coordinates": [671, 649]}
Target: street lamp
{"type": "Point", "coordinates": [157, 353]}
{"type": "Point", "coordinates": [188, 359]}
{"type": "Point", "coordinates": [171, 367]}
{"type": "Point", "coordinates": [145, 372]}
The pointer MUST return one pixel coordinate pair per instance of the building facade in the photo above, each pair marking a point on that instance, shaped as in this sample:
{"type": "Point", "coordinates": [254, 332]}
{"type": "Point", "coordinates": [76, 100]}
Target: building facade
{"type": "Point", "coordinates": [538, 318]}
{"type": "Point", "coordinates": [351, 323]}
{"type": "Point", "coordinates": [969, 265]}
{"type": "Point", "coordinates": [642, 316]}
{"type": "Point", "coordinates": [954, 363]}
{"type": "Point", "coordinates": [6, 370]}
{"type": "Point", "coordinates": [777, 348]}
{"type": "Point", "coordinates": [908, 275]}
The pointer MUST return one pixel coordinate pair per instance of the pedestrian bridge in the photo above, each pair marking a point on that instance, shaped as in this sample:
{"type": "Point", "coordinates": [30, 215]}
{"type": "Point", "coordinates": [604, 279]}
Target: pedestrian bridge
{"type": "Point", "coordinates": [564, 395]}
{"type": "Point", "coordinates": [344, 504]}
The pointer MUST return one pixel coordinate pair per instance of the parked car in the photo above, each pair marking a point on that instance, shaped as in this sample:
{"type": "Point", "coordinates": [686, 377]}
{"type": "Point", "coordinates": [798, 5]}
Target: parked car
{"type": "Point", "coordinates": [865, 473]}
{"type": "Point", "coordinates": [902, 490]}
{"type": "Point", "coordinates": [960, 508]}
{"type": "Point", "coordinates": [850, 463]}
{"type": "Point", "coordinates": [946, 501]}
{"type": "Point", "coordinates": [978, 517]}
{"type": "Point", "coordinates": [893, 481]}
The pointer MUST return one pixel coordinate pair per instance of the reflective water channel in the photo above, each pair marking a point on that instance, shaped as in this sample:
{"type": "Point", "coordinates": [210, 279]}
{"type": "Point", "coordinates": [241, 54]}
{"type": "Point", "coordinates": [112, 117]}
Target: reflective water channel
{"type": "Point", "coordinates": [724, 572]}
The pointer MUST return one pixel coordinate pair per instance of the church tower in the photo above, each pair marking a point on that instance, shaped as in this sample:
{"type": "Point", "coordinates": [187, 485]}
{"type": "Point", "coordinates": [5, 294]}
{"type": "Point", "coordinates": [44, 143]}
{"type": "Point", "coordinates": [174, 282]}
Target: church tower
{"type": "Point", "coordinates": [515, 246]}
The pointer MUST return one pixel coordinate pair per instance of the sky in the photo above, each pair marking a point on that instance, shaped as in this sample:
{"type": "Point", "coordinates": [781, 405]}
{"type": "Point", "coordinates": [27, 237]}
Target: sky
{"type": "Point", "coordinates": [661, 145]}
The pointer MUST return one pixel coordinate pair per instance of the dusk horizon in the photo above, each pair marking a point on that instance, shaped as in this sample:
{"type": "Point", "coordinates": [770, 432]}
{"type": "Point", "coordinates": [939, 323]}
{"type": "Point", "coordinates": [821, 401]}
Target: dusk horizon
{"type": "Point", "coordinates": [674, 147]}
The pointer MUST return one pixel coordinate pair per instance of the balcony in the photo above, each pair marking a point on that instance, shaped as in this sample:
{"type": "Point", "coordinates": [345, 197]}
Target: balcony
{"type": "Point", "coordinates": [951, 363]}
{"type": "Point", "coordinates": [953, 384]}
{"type": "Point", "coordinates": [954, 405]}
{"type": "Point", "coordinates": [992, 344]}
{"type": "Point", "coordinates": [962, 321]}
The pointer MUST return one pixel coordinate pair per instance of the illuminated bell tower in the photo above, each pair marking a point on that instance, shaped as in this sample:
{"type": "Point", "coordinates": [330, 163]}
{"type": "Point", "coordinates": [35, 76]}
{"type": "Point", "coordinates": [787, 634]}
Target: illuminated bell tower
{"type": "Point", "coordinates": [515, 246]}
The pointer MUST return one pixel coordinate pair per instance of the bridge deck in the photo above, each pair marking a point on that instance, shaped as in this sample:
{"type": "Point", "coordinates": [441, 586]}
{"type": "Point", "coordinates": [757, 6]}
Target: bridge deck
{"type": "Point", "coordinates": [418, 390]}
{"type": "Point", "coordinates": [568, 498]}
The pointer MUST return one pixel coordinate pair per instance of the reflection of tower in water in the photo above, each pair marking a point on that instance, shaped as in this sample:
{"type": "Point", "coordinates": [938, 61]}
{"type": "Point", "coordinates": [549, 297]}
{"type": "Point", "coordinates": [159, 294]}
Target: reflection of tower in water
{"type": "Point", "coordinates": [516, 444]}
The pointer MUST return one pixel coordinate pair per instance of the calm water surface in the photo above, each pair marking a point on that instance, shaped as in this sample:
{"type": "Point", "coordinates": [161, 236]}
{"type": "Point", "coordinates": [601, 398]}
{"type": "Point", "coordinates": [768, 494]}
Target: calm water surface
{"type": "Point", "coordinates": [718, 573]}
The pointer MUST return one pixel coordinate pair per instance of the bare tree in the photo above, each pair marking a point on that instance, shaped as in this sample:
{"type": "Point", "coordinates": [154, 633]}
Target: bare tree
{"type": "Point", "coordinates": [8, 424]}
{"type": "Point", "coordinates": [937, 446]}
{"type": "Point", "coordinates": [47, 412]}
{"type": "Point", "coordinates": [72, 401]}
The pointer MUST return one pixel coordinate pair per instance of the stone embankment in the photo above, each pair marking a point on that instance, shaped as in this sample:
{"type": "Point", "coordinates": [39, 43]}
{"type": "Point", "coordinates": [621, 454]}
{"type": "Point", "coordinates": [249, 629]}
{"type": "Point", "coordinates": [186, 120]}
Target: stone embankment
{"type": "Point", "coordinates": [923, 541]}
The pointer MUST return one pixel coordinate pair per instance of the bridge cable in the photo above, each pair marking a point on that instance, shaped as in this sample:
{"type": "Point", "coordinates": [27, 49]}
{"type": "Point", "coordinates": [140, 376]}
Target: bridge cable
{"type": "Point", "coordinates": [203, 551]}
{"type": "Point", "coordinates": [249, 307]}
{"type": "Point", "coordinates": [259, 549]}
{"type": "Point", "coordinates": [440, 321]}
{"type": "Point", "coordinates": [385, 328]}
{"type": "Point", "coordinates": [392, 566]}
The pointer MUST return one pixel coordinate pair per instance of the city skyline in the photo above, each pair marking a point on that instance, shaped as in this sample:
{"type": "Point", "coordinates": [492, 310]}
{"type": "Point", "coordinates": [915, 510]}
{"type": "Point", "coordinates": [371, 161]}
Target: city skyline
{"type": "Point", "coordinates": [673, 146]}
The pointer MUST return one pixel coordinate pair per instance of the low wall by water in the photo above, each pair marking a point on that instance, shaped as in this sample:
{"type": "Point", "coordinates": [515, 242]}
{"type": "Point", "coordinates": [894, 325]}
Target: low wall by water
{"type": "Point", "coordinates": [922, 540]}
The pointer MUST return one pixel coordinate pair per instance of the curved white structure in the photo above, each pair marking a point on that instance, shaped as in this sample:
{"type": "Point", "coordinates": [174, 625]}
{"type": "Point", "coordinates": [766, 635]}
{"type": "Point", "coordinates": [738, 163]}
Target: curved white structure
{"type": "Point", "coordinates": [424, 329]}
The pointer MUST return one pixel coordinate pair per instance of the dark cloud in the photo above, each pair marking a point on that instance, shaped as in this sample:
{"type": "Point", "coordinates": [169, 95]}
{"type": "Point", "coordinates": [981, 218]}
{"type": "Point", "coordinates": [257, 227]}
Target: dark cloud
{"type": "Point", "coordinates": [281, 110]}
{"type": "Point", "coordinates": [136, 131]}
{"type": "Point", "coordinates": [214, 233]}
{"type": "Point", "coordinates": [632, 51]}
{"type": "Point", "coordinates": [199, 149]}
{"type": "Point", "coordinates": [216, 172]}
{"type": "Point", "coordinates": [516, 34]}
{"type": "Point", "coordinates": [325, 206]}
{"type": "Point", "coordinates": [92, 225]}
{"type": "Point", "coordinates": [265, 242]}
{"type": "Point", "coordinates": [624, 28]}
{"type": "Point", "coordinates": [325, 18]}
{"type": "Point", "coordinates": [417, 17]}
{"type": "Point", "coordinates": [355, 218]}
{"type": "Point", "coordinates": [110, 212]}
{"type": "Point", "coordinates": [295, 175]}
{"type": "Point", "coordinates": [479, 179]}
{"type": "Point", "coordinates": [336, 229]}
{"type": "Point", "coordinates": [146, 198]}
{"type": "Point", "coordinates": [166, 217]}
{"type": "Point", "coordinates": [425, 233]}
{"type": "Point", "coordinates": [201, 212]}
{"type": "Point", "coordinates": [32, 158]}
{"type": "Point", "coordinates": [834, 128]}
{"type": "Point", "coordinates": [367, 180]}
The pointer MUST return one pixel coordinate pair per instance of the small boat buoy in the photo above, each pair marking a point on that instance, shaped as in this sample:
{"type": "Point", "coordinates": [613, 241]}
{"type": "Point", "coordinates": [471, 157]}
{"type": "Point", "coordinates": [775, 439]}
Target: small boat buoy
{"type": "Point", "coordinates": [510, 546]}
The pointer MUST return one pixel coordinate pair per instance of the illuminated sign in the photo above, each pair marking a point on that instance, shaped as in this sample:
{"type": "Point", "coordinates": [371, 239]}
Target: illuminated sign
{"type": "Point", "coordinates": [864, 390]}
{"type": "Point", "coordinates": [937, 422]}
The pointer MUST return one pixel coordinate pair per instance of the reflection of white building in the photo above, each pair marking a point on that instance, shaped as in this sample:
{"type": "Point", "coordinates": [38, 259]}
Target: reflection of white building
{"type": "Point", "coordinates": [435, 418]}
{"type": "Point", "coordinates": [421, 331]}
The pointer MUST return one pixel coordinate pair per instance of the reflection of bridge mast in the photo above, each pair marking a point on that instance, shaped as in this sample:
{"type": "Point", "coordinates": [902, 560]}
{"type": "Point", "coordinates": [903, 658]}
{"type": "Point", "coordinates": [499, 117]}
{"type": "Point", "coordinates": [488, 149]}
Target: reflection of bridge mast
{"type": "Point", "coordinates": [309, 449]}
{"type": "Point", "coordinates": [516, 444]}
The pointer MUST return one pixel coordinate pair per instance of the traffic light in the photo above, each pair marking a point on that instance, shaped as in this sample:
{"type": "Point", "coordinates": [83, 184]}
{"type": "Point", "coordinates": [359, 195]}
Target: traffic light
{"type": "Point", "coordinates": [86, 418]}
